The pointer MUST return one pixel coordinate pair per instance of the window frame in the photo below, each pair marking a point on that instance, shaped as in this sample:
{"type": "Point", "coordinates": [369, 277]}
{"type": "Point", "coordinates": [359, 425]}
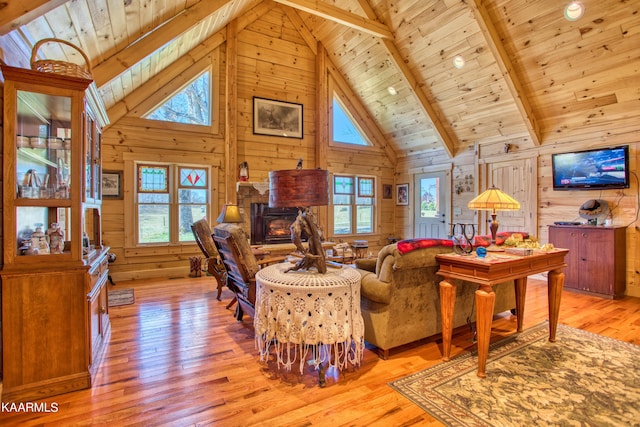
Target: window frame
{"type": "Point", "coordinates": [172, 187]}
{"type": "Point", "coordinates": [131, 160]}
{"type": "Point", "coordinates": [175, 93]}
{"type": "Point", "coordinates": [354, 122]}
{"type": "Point", "coordinates": [156, 99]}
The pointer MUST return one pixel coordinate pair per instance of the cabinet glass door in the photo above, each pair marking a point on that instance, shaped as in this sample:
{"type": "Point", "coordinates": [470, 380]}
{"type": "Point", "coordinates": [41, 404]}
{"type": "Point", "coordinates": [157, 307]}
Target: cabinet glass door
{"type": "Point", "coordinates": [43, 144]}
{"type": "Point", "coordinates": [42, 230]}
{"type": "Point", "coordinates": [93, 171]}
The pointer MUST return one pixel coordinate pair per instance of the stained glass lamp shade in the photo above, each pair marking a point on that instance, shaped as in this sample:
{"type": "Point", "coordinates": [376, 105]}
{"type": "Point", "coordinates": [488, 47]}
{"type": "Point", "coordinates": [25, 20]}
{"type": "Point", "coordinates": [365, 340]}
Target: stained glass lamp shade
{"type": "Point", "coordinates": [494, 200]}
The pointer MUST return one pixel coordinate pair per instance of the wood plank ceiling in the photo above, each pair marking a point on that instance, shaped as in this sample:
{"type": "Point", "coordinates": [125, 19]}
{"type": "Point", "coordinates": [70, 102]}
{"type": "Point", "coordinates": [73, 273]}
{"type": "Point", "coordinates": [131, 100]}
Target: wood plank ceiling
{"type": "Point", "coordinates": [530, 76]}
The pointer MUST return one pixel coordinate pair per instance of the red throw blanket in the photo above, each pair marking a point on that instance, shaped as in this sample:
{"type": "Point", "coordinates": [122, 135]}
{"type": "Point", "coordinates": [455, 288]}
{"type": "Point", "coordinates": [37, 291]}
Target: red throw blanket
{"type": "Point", "coordinates": [405, 246]}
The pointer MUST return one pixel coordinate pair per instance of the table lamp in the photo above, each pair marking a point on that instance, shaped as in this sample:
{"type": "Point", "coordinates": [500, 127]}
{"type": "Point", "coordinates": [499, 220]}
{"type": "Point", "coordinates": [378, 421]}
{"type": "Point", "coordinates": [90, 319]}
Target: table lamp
{"type": "Point", "coordinates": [230, 213]}
{"type": "Point", "coordinates": [494, 200]}
{"type": "Point", "coordinates": [302, 188]}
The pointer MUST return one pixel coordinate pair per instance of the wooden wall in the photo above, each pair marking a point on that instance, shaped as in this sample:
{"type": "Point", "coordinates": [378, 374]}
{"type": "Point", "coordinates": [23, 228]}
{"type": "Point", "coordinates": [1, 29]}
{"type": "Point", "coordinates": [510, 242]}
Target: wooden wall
{"type": "Point", "coordinates": [463, 165]}
{"type": "Point", "coordinates": [551, 205]}
{"type": "Point", "coordinates": [274, 62]}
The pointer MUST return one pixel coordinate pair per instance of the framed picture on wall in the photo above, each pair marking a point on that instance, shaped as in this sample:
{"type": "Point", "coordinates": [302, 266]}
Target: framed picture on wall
{"type": "Point", "coordinates": [112, 184]}
{"type": "Point", "coordinates": [277, 118]}
{"type": "Point", "coordinates": [387, 191]}
{"type": "Point", "coordinates": [402, 194]}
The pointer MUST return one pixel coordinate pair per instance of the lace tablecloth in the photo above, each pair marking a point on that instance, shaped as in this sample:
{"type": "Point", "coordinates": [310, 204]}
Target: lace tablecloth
{"type": "Point", "coordinates": [302, 311]}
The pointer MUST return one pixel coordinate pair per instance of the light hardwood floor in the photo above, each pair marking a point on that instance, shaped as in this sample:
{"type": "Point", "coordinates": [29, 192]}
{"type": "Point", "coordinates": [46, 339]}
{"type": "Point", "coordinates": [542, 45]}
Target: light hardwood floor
{"type": "Point", "coordinates": [177, 357]}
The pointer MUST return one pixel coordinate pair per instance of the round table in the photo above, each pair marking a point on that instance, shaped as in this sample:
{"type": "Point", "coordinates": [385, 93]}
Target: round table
{"type": "Point", "coordinates": [299, 311]}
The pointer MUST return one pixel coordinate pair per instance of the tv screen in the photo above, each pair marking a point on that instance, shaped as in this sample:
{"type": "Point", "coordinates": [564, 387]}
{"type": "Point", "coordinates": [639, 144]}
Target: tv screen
{"type": "Point", "coordinates": [602, 168]}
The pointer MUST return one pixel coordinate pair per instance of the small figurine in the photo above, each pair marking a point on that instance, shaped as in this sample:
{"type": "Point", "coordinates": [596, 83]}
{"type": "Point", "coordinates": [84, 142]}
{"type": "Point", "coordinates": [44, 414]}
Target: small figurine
{"type": "Point", "coordinates": [39, 240]}
{"type": "Point", "coordinates": [56, 238]}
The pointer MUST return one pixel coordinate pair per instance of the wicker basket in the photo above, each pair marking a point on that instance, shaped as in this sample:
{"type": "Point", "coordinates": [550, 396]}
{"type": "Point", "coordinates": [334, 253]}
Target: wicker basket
{"type": "Point", "coordinates": [60, 67]}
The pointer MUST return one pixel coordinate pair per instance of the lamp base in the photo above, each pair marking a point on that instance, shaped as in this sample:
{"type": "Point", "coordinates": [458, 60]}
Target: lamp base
{"type": "Point", "coordinates": [314, 256]}
{"type": "Point", "coordinates": [494, 248]}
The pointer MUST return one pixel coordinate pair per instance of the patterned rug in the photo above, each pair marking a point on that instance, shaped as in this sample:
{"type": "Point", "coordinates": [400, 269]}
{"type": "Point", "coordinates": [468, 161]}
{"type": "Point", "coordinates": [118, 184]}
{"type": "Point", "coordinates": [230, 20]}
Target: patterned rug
{"type": "Point", "coordinates": [582, 379]}
{"type": "Point", "coordinates": [119, 297]}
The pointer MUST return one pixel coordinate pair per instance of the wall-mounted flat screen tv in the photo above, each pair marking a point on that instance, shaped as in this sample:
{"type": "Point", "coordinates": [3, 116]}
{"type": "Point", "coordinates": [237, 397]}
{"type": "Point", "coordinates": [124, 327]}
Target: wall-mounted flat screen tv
{"type": "Point", "coordinates": [598, 169]}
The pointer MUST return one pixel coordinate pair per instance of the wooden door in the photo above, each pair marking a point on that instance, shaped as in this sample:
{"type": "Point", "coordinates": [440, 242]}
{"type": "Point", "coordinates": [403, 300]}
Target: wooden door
{"type": "Point", "coordinates": [517, 178]}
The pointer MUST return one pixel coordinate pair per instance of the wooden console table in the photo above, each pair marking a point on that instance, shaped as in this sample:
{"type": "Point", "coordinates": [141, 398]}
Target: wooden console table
{"type": "Point", "coordinates": [487, 272]}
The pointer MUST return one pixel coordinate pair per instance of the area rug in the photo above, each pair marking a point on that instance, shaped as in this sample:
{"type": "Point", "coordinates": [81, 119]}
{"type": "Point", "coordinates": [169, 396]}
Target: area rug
{"type": "Point", "coordinates": [119, 297]}
{"type": "Point", "coordinates": [582, 379]}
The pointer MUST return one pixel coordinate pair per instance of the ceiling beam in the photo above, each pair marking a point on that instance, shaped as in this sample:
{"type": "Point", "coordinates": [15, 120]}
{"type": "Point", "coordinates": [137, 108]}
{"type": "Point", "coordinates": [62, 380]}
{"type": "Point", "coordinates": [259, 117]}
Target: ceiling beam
{"type": "Point", "coordinates": [443, 131]}
{"type": "Point", "coordinates": [326, 67]}
{"type": "Point", "coordinates": [15, 13]}
{"type": "Point", "coordinates": [341, 16]}
{"type": "Point", "coordinates": [506, 68]}
{"type": "Point", "coordinates": [304, 32]}
{"type": "Point", "coordinates": [154, 40]}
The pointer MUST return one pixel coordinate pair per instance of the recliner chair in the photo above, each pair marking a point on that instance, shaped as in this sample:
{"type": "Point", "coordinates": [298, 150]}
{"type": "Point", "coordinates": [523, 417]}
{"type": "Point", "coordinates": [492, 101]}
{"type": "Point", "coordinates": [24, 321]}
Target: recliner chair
{"type": "Point", "coordinates": [241, 264]}
{"type": "Point", "coordinates": [215, 267]}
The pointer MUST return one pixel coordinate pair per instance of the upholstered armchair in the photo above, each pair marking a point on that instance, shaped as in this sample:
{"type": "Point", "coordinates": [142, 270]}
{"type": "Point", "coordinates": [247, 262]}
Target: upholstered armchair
{"type": "Point", "coordinates": [400, 297]}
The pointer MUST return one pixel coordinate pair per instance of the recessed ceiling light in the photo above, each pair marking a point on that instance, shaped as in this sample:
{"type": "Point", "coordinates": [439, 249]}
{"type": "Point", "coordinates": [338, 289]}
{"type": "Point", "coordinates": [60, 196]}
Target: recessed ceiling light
{"type": "Point", "coordinates": [458, 61]}
{"type": "Point", "coordinates": [392, 90]}
{"type": "Point", "coordinates": [574, 10]}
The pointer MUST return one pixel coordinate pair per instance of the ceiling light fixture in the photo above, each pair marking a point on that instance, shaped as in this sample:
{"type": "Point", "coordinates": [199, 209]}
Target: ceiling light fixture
{"type": "Point", "coordinates": [574, 10]}
{"type": "Point", "coordinates": [392, 90]}
{"type": "Point", "coordinates": [458, 61]}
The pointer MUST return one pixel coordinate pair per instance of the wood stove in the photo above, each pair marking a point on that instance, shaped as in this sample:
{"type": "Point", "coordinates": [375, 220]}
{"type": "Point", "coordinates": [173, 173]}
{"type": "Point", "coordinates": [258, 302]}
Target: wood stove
{"type": "Point", "coordinates": [272, 225]}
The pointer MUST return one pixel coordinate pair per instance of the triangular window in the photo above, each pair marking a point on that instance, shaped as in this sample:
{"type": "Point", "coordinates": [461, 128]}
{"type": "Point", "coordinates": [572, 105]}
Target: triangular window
{"type": "Point", "coordinates": [344, 129]}
{"type": "Point", "coordinates": [191, 105]}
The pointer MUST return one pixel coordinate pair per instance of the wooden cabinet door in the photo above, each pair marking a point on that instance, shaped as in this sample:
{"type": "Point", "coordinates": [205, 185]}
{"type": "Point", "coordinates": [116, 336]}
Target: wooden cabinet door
{"type": "Point", "coordinates": [568, 238]}
{"type": "Point", "coordinates": [104, 308]}
{"type": "Point", "coordinates": [596, 263]}
{"type": "Point", "coordinates": [94, 326]}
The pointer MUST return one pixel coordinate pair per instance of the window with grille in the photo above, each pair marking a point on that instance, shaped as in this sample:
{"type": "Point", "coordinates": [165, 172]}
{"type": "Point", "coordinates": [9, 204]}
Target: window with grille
{"type": "Point", "coordinates": [353, 204]}
{"type": "Point", "coordinates": [169, 198]}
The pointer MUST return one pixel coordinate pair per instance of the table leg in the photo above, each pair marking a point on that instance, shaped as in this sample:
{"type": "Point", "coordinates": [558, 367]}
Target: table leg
{"type": "Point", "coordinates": [485, 300]}
{"type": "Point", "coordinates": [322, 382]}
{"type": "Point", "coordinates": [521, 293]}
{"type": "Point", "coordinates": [321, 368]}
{"type": "Point", "coordinates": [555, 283]}
{"type": "Point", "coordinates": [447, 303]}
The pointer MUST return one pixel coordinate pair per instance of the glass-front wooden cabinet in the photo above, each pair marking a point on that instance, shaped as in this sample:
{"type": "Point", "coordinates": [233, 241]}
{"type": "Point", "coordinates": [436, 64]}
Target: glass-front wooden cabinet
{"type": "Point", "coordinates": [52, 153]}
{"type": "Point", "coordinates": [54, 262]}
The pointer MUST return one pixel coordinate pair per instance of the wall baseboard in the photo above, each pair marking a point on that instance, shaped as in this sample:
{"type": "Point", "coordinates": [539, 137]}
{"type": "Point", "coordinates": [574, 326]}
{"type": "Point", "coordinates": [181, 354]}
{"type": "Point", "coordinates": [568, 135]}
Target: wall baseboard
{"type": "Point", "coordinates": [162, 273]}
